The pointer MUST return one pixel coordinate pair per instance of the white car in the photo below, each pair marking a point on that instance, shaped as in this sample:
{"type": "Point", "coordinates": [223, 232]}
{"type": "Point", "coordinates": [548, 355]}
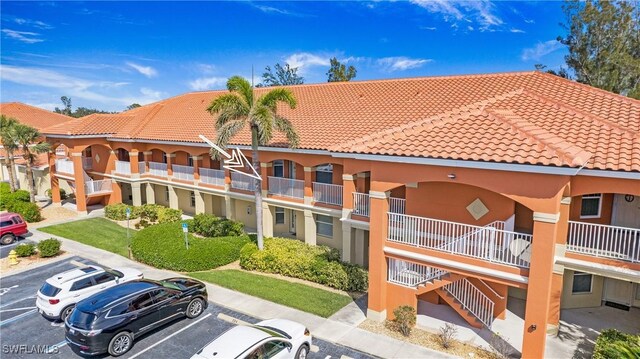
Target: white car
{"type": "Point", "coordinates": [273, 338]}
{"type": "Point", "coordinates": [59, 294]}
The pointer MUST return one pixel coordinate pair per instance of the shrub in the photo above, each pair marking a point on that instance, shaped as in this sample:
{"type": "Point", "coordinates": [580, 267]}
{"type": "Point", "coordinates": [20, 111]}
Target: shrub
{"type": "Point", "coordinates": [7, 198]}
{"type": "Point", "coordinates": [29, 211]}
{"type": "Point", "coordinates": [612, 343]}
{"type": "Point", "coordinates": [162, 246]}
{"type": "Point", "coordinates": [296, 259]}
{"type": "Point", "coordinates": [168, 215]}
{"type": "Point", "coordinates": [25, 249]}
{"type": "Point", "coordinates": [118, 211]}
{"type": "Point", "coordinates": [404, 319]}
{"type": "Point", "coordinates": [447, 335]}
{"type": "Point", "coordinates": [149, 212]}
{"type": "Point", "coordinates": [209, 225]}
{"type": "Point", "coordinates": [63, 193]}
{"type": "Point", "coordinates": [49, 247]}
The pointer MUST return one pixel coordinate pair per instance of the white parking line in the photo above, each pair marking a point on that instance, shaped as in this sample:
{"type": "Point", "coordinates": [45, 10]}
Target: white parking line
{"type": "Point", "coordinates": [16, 301]}
{"type": "Point", "coordinates": [14, 309]}
{"type": "Point", "coordinates": [54, 348]}
{"type": "Point", "coordinates": [17, 317]}
{"type": "Point", "coordinates": [171, 335]}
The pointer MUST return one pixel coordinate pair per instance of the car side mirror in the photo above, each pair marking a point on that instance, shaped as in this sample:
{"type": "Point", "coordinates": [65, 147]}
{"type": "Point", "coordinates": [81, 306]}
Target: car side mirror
{"type": "Point", "coordinates": [289, 346]}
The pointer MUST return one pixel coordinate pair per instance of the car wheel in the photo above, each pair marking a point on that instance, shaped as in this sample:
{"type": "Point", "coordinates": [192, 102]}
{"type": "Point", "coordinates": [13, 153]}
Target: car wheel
{"type": "Point", "coordinates": [7, 239]}
{"type": "Point", "coordinates": [195, 308]}
{"type": "Point", "coordinates": [120, 344]}
{"type": "Point", "coordinates": [66, 312]}
{"type": "Point", "coordinates": [302, 352]}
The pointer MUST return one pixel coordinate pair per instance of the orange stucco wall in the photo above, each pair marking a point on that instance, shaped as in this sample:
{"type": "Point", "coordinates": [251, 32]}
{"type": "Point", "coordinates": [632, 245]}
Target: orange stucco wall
{"type": "Point", "coordinates": [605, 211]}
{"type": "Point", "coordinates": [398, 295]}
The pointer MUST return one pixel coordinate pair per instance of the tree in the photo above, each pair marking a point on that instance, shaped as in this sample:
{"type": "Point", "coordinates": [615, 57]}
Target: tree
{"type": "Point", "coordinates": [562, 72]}
{"type": "Point", "coordinates": [31, 144]}
{"type": "Point", "coordinates": [132, 106]}
{"type": "Point", "coordinates": [66, 110]}
{"type": "Point", "coordinates": [604, 44]}
{"type": "Point", "coordinates": [240, 108]}
{"type": "Point", "coordinates": [283, 76]}
{"type": "Point", "coordinates": [339, 72]}
{"type": "Point", "coordinates": [79, 112]}
{"type": "Point", "coordinates": [8, 139]}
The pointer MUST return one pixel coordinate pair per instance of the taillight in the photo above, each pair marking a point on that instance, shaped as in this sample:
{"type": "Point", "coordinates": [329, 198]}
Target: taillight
{"type": "Point", "coordinates": [307, 332]}
{"type": "Point", "coordinates": [54, 301]}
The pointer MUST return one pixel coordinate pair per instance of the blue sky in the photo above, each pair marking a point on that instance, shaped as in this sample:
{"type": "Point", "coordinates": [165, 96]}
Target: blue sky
{"type": "Point", "coordinates": [108, 55]}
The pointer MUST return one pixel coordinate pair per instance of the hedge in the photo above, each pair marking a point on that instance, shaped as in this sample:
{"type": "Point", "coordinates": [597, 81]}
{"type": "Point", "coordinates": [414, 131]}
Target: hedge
{"type": "Point", "coordinates": [25, 249]}
{"type": "Point", "coordinates": [49, 247]}
{"type": "Point", "coordinates": [292, 258]}
{"type": "Point", "coordinates": [612, 343]}
{"type": "Point", "coordinates": [148, 213]}
{"type": "Point", "coordinates": [19, 202]}
{"type": "Point", "coordinates": [63, 193]}
{"type": "Point", "coordinates": [208, 225]}
{"type": "Point", "coordinates": [162, 246]}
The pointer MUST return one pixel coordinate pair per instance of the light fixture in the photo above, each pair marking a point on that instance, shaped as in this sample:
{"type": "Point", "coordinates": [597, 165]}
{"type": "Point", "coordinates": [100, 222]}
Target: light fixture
{"type": "Point", "coordinates": [451, 176]}
{"type": "Point", "coordinates": [248, 209]}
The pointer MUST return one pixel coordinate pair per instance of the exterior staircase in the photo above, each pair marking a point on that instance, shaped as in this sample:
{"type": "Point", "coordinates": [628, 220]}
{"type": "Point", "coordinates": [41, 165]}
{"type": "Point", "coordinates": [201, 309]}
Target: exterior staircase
{"type": "Point", "coordinates": [466, 314]}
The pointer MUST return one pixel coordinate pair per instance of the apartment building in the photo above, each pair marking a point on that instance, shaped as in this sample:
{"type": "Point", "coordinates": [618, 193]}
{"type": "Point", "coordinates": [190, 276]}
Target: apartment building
{"type": "Point", "coordinates": [461, 190]}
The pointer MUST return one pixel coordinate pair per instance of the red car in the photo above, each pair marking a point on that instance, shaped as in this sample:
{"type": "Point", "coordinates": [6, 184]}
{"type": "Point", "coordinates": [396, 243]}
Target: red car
{"type": "Point", "coordinates": [11, 226]}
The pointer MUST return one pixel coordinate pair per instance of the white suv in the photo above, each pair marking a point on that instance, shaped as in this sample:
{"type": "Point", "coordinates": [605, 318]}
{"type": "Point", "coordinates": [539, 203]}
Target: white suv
{"type": "Point", "coordinates": [59, 294]}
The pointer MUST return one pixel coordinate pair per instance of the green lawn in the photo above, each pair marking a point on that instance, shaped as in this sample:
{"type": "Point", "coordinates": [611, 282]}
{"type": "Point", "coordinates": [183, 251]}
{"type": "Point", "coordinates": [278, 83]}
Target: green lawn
{"type": "Point", "coordinates": [295, 295]}
{"type": "Point", "coordinates": [96, 232]}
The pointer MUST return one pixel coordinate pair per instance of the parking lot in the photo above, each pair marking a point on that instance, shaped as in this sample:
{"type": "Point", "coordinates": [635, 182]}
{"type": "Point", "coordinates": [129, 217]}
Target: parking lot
{"type": "Point", "coordinates": [26, 334]}
{"type": "Point", "coordinates": [4, 250]}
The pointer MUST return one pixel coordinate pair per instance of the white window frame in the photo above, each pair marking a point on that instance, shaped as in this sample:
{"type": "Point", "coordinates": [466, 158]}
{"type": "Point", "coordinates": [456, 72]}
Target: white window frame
{"type": "Point", "coordinates": [280, 211]}
{"type": "Point", "coordinates": [166, 193]}
{"type": "Point", "coordinates": [164, 157]}
{"type": "Point", "coordinates": [278, 163]}
{"type": "Point", "coordinates": [326, 168]}
{"type": "Point", "coordinates": [592, 196]}
{"type": "Point", "coordinates": [590, 283]}
{"type": "Point", "coordinates": [319, 219]}
{"type": "Point", "coordinates": [190, 161]}
{"type": "Point", "coordinates": [192, 199]}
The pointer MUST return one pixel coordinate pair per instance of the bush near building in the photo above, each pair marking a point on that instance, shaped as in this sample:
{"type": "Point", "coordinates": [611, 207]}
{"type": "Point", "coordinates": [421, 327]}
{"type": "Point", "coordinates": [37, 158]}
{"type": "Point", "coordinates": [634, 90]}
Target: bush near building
{"type": "Point", "coordinates": [25, 249]}
{"type": "Point", "coordinates": [63, 194]}
{"type": "Point", "coordinates": [19, 202]}
{"type": "Point", "coordinates": [163, 246]}
{"type": "Point", "coordinates": [293, 258]}
{"type": "Point", "coordinates": [612, 343]}
{"type": "Point", "coordinates": [404, 319]}
{"type": "Point", "coordinates": [49, 247]}
{"type": "Point", "coordinates": [149, 214]}
{"type": "Point", "coordinates": [208, 225]}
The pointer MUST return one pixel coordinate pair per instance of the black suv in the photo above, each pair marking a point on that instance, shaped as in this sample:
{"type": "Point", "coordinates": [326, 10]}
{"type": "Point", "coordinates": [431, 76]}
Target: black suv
{"type": "Point", "coordinates": [109, 321]}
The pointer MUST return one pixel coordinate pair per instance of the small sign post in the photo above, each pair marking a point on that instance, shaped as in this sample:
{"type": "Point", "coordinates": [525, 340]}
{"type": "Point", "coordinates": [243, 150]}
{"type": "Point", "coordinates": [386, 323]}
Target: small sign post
{"type": "Point", "coordinates": [185, 229]}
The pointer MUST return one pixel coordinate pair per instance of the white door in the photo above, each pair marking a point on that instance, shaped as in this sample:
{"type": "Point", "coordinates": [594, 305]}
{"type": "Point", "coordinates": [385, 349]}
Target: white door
{"type": "Point", "coordinates": [292, 222]}
{"type": "Point", "coordinates": [292, 169]}
{"type": "Point", "coordinates": [618, 291]}
{"type": "Point", "coordinates": [626, 211]}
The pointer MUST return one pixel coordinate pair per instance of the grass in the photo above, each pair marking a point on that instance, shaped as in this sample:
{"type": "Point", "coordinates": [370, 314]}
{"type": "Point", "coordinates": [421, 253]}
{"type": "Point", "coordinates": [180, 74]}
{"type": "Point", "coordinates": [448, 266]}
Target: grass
{"type": "Point", "coordinates": [295, 295]}
{"type": "Point", "coordinates": [96, 232]}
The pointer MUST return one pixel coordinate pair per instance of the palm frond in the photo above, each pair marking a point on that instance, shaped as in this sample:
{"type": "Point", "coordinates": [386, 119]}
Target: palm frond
{"type": "Point", "coordinates": [228, 107]}
{"type": "Point", "coordinates": [271, 98]}
{"type": "Point", "coordinates": [40, 147]}
{"type": "Point", "coordinates": [8, 133]}
{"type": "Point", "coordinates": [240, 85]}
{"type": "Point", "coordinates": [262, 119]}
{"type": "Point", "coordinates": [227, 131]}
{"type": "Point", "coordinates": [285, 126]}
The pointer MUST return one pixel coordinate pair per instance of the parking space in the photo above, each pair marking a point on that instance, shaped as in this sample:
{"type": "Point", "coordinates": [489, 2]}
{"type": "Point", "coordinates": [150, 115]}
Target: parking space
{"type": "Point", "coordinates": [26, 334]}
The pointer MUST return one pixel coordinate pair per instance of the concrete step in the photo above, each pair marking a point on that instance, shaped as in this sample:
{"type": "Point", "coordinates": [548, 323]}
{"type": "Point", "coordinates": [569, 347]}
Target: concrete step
{"type": "Point", "coordinates": [457, 306]}
{"type": "Point", "coordinates": [438, 283]}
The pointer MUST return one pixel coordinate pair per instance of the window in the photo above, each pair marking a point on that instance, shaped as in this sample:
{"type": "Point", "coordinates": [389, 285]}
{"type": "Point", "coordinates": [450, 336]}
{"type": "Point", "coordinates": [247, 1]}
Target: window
{"type": "Point", "coordinates": [6, 223]}
{"type": "Point", "coordinates": [123, 155]}
{"type": "Point", "coordinates": [166, 194]}
{"type": "Point", "coordinates": [324, 174]}
{"type": "Point", "coordinates": [164, 157]}
{"type": "Point", "coordinates": [141, 302]}
{"type": "Point", "coordinates": [278, 168]}
{"type": "Point", "coordinates": [268, 350]}
{"type": "Point", "coordinates": [103, 278]}
{"type": "Point", "coordinates": [161, 295]}
{"type": "Point", "coordinates": [324, 225]}
{"type": "Point", "coordinates": [279, 215]}
{"type": "Point", "coordinates": [581, 283]}
{"type": "Point", "coordinates": [193, 199]}
{"type": "Point", "coordinates": [82, 284]}
{"type": "Point", "coordinates": [591, 205]}
{"type": "Point", "coordinates": [189, 161]}
{"type": "Point", "coordinates": [17, 220]}
{"type": "Point", "coordinates": [87, 152]}
{"type": "Point", "coordinates": [120, 309]}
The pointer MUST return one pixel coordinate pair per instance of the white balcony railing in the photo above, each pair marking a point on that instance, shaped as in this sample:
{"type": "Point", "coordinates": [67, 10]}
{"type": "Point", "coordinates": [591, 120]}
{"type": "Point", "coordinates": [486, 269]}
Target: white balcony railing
{"type": "Point", "coordinates": [411, 274]}
{"type": "Point", "coordinates": [487, 243]}
{"type": "Point", "coordinates": [184, 173]}
{"type": "Point", "coordinates": [286, 187]}
{"type": "Point", "coordinates": [142, 168]}
{"type": "Point", "coordinates": [94, 187]}
{"type": "Point", "coordinates": [361, 204]}
{"type": "Point", "coordinates": [87, 163]}
{"type": "Point", "coordinates": [472, 299]}
{"type": "Point", "coordinates": [327, 193]}
{"type": "Point", "coordinates": [64, 166]}
{"type": "Point", "coordinates": [211, 176]}
{"type": "Point", "coordinates": [604, 241]}
{"type": "Point", "coordinates": [158, 169]}
{"type": "Point", "coordinates": [123, 167]}
{"type": "Point", "coordinates": [397, 205]}
{"type": "Point", "coordinates": [243, 182]}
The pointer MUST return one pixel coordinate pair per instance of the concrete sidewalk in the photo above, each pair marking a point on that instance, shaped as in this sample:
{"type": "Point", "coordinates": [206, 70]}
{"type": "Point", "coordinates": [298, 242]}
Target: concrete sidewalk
{"type": "Point", "coordinates": [341, 328]}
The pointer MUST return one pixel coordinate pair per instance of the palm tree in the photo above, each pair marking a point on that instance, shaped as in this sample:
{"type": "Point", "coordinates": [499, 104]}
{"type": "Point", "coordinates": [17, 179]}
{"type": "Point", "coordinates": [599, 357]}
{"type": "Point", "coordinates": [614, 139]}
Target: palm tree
{"type": "Point", "coordinates": [239, 108]}
{"type": "Point", "coordinates": [8, 139]}
{"type": "Point", "coordinates": [30, 141]}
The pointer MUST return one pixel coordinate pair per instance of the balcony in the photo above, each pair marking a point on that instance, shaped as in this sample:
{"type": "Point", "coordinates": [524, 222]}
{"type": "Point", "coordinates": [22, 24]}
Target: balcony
{"type": "Point", "coordinates": [123, 167]}
{"type": "Point", "coordinates": [142, 168]}
{"type": "Point", "coordinates": [604, 241]}
{"type": "Point", "coordinates": [184, 173]}
{"type": "Point", "coordinates": [489, 243]}
{"type": "Point", "coordinates": [286, 187]}
{"type": "Point", "coordinates": [212, 177]}
{"type": "Point", "coordinates": [361, 204]}
{"type": "Point", "coordinates": [411, 274]}
{"type": "Point", "coordinates": [327, 193]}
{"type": "Point", "coordinates": [64, 166]}
{"type": "Point", "coordinates": [87, 163]}
{"type": "Point", "coordinates": [242, 182]}
{"type": "Point", "coordinates": [158, 169]}
{"type": "Point", "coordinates": [97, 187]}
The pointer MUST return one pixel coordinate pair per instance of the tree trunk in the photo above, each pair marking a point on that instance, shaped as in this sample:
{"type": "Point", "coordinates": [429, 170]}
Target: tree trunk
{"type": "Point", "coordinates": [32, 189]}
{"type": "Point", "coordinates": [258, 185]}
{"type": "Point", "coordinates": [8, 161]}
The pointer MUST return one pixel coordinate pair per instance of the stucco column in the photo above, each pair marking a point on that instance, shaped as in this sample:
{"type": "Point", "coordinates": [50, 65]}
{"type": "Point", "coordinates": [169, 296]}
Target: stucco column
{"type": "Point", "coordinates": [196, 167]}
{"type": "Point", "coordinates": [558, 269]}
{"type": "Point", "coordinates": [267, 219]}
{"type": "Point", "coordinates": [151, 193]}
{"type": "Point", "coordinates": [227, 179]}
{"type": "Point", "coordinates": [134, 166]}
{"type": "Point", "coordinates": [539, 289]}
{"type": "Point", "coordinates": [309, 178]}
{"type": "Point", "coordinates": [346, 242]}
{"type": "Point", "coordinates": [53, 179]}
{"type": "Point", "coordinates": [377, 306]}
{"type": "Point", "coordinates": [348, 188]}
{"type": "Point", "coordinates": [136, 194]}
{"type": "Point", "coordinates": [229, 208]}
{"type": "Point", "coordinates": [170, 159]}
{"type": "Point", "coordinates": [116, 192]}
{"type": "Point", "coordinates": [147, 158]}
{"type": "Point", "coordinates": [266, 170]}
{"type": "Point", "coordinates": [309, 228]}
{"type": "Point", "coordinates": [173, 198]}
{"type": "Point", "coordinates": [199, 201]}
{"type": "Point", "coordinates": [78, 170]}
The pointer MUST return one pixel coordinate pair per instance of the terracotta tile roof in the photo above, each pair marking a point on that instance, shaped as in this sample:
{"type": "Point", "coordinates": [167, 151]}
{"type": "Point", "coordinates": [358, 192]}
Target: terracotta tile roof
{"type": "Point", "coordinates": [31, 115]}
{"type": "Point", "coordinates": [525, 117]}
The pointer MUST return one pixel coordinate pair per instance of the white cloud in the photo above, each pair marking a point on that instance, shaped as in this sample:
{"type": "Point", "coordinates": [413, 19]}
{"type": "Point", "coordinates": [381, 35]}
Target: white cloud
{"type": "Point", "coordinates": [517, 31]}
{"type": "Point", "coordinates": [46, 105]}
{"type": "Point", "coordinates": [148, 71]}
{"type": "Point", "coordinates": [541, 49]}
{"type": "Point", "coordinates": [24, 36]}
{"type": "Point", "coordinates": [430, 28]}
{"type": "Point", "coordinates": [483, 13]}
{"type": "Point", "coordinates": [529, 21]}
{"type": "Point", "coordinates": [34, 23]}
{"type": "Point", "coordinates": [401, 63]}
{"type": "Point", "coordinates": [207, 83]}
{"type": "Point", "coordinates": [304, 60]}
{"type": "Point", "coordinates": [206, 68]}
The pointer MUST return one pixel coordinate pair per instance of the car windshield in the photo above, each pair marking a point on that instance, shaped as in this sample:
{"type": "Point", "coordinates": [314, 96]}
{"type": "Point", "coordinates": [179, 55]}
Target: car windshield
{"type": "Point", "coordinates": [114, 272]}
{"type": "Point", "coordinates": [49, 290]}
{"type": "Point", "coordinates": [81, 320]}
